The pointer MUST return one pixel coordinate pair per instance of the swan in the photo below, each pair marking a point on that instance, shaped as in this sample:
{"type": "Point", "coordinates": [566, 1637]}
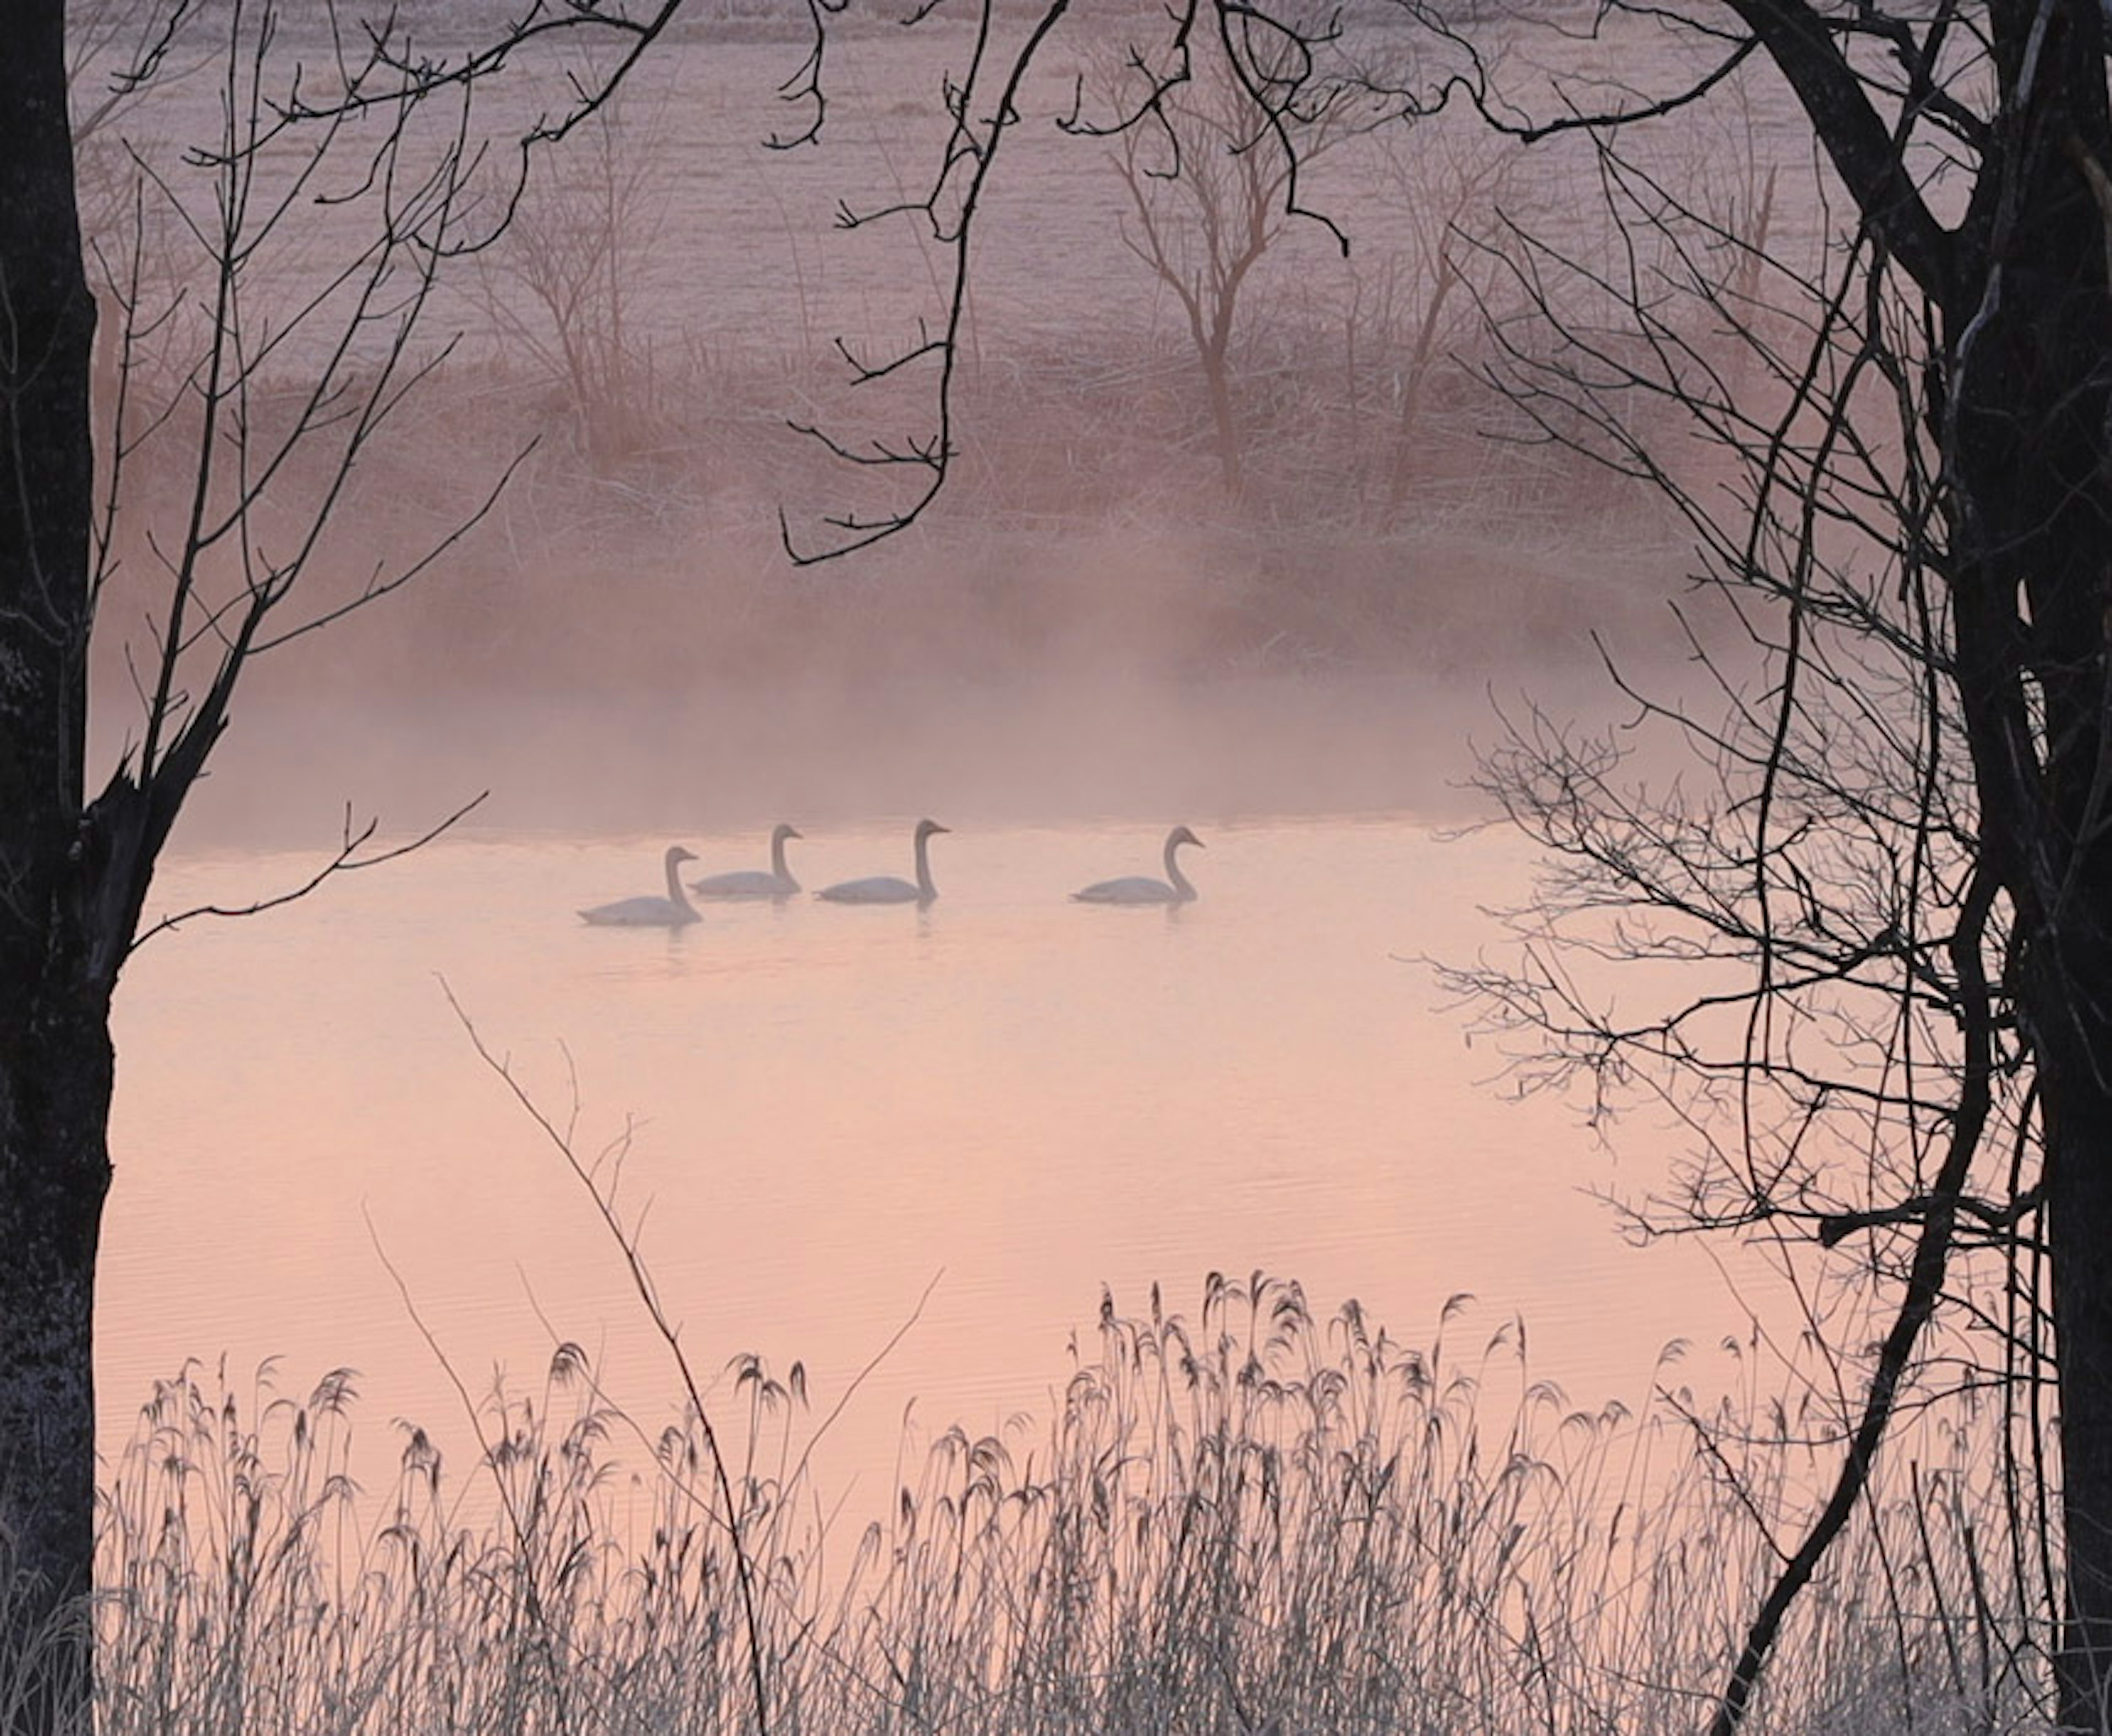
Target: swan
{"type": "Point", "coordinates": [1140, 888]}
{"type": "Point", "coordinates": [670, 912]}
{"type": "Point", "coordinates": [777, 882]}
{"type": "Point", "coordinates": [885, 888]}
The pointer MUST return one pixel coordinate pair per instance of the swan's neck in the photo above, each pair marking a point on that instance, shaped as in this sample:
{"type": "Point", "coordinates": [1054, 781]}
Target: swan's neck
{"type": "Point", "coordinates": [777, 856]}
{"type": "Point", "coordinates": [925, 889]}
{"type": "Point", "coordinates": [1175, 877]}
{"type": "Point", "coordinates": [676, 895]}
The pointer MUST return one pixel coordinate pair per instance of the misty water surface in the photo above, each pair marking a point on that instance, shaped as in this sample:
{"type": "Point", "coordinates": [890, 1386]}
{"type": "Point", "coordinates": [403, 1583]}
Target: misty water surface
{"type": "Point", "coordinates": [1023, 1098]}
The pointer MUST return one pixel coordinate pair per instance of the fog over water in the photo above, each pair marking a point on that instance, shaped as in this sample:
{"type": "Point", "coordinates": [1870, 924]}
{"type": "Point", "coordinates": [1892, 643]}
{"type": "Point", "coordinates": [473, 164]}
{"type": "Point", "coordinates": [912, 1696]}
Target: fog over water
{"type": "Point", "coordinates": [1020, 1098]}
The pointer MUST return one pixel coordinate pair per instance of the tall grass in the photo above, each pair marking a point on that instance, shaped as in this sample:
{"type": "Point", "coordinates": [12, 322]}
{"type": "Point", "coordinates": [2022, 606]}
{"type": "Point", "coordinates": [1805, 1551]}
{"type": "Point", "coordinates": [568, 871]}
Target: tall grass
{"type": "Point", "coordinates": [1252, 1520]}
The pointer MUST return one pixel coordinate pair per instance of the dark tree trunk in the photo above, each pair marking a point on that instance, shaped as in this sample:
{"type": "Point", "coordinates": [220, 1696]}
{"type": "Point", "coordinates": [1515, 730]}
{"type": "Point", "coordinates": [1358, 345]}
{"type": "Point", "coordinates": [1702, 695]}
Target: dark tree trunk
{"type": "Point", "coordinates": [2079, 1222]}
{"type": "Point", "coordinates": [2022, 416]}
{"type": "Point", "coordinates": [56, 963]}
{"type": "Point", "coordinates": [2026, 426]}
{"type": "Point", "coordinates": [56, 1175]}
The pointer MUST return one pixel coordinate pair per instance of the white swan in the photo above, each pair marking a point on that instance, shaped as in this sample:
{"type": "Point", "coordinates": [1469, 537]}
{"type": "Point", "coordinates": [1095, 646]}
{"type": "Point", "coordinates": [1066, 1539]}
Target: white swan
{"type": "Point", "coordinates": [1140, 888]}
{"type": "Point", "coordinates": [886, 888]}
{"type": "Point", "coordinates": [777, 882]}
{"type": "Point", "coordinates": [670, 912]}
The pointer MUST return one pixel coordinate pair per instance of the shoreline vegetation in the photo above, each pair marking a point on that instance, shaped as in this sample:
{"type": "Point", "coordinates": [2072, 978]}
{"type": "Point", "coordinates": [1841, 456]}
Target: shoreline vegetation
{"type": "Point", "coordinates": [1253, 1519]}
{"type": "Point", "coordinates": [625, 647]}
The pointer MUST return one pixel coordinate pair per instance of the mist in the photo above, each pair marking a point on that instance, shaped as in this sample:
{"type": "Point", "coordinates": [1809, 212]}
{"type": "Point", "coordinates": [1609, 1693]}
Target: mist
{"type": "Point", "coordinates": [682, 571]}
{"type": "Point", "coordinates": [1090, 618]}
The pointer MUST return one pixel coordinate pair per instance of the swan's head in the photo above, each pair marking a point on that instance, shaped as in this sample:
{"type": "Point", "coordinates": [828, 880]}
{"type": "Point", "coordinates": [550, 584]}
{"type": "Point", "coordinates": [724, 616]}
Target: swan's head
{"type": "Point", "coordinates": [676, 854]}
{"type": "Point", "coordinates": [927, 828]}
{"type": "Point", "coordinates": [779, 833]}
{"type": "Point", "coordinates": [1182, 835]}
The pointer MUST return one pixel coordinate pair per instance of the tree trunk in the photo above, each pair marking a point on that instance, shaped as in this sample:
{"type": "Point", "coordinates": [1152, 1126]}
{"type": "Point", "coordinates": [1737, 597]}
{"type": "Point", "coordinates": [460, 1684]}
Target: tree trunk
{"type": "Point", "coordinates": [2079, 1224]}
{"type": "Point", "coordinates": [56, 1175]}
{"type": "Point", "coordinates": [1224, 416]}
{"type": "Point", "coordinates": [2024, 424]}
{"type": "Point", "coordinates": [56, 963]}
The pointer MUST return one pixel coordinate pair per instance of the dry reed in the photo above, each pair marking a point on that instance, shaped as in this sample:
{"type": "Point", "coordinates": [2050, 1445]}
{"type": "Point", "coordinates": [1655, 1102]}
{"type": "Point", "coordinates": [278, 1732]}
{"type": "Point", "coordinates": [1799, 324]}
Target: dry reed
{"type": "Point", "coordinates": [1252, 1520]}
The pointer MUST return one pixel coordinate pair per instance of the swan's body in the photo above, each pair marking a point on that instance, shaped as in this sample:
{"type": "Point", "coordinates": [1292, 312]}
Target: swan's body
{"type": "Point", "coordinates": [670, 912]}
{"type": "Point", "coordinates": [887, 888]}
{"type": "Point", "coordinates": [774, 882]}
{"type": "Point", "coordinates": [1141, 888]}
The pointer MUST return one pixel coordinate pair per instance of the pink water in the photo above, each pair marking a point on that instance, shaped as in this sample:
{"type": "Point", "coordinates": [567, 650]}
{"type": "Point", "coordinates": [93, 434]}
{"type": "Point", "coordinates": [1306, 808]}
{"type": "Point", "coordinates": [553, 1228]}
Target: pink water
{"type": "Point", "coordinates": [1010, 1098]}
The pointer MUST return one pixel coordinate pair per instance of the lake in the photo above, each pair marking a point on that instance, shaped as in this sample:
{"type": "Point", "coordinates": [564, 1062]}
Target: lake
{"type": "Point", "coordinates": [1009, 1100]}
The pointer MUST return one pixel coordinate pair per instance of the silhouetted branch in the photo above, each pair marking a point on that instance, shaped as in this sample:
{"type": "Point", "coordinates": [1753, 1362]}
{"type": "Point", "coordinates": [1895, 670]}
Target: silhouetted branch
{"type": "Point", "coordinates": [628, 1244]}
{"type": "Point", "coordinates": [347, 859]}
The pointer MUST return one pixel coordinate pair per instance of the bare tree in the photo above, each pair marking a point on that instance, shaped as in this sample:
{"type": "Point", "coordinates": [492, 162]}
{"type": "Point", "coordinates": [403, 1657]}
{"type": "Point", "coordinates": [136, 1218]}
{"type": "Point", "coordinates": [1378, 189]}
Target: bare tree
{"type": "Point", "coordinates": [1895, 893]}
{"type": "Point", "coordinates": [286, 323]}
{"type": "Point", "coordinates": [1452, 198]}
{"type": "Point", "coordinates": [561, 286]}
{"type": "Point", "coordinates": [1206, 187]}
{"type": "Point", "coordinates": [268, 446]}
{"type": "Point", "coordinates": [1890, 891]}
